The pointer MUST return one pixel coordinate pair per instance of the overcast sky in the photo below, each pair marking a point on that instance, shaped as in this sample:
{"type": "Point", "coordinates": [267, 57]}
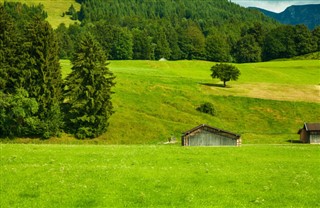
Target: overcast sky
{"type": "Point", "coordinates": [274, 5]}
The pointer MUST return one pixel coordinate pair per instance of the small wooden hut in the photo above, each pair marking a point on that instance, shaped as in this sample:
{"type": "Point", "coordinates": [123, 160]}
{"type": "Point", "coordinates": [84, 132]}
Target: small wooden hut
{"type": "Point", "coordinates": [310, 133]}
{"type": "Point", "coordinates": [205, 135]}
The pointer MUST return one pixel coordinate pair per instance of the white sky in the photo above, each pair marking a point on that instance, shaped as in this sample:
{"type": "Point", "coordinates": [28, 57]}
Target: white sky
{"type": "Point", "coordinates": [274, 5]}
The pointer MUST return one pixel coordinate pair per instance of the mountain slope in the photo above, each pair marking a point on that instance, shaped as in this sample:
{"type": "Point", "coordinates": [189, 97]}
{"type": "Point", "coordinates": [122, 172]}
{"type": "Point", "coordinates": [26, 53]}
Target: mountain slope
{"type": "Point", "coordinates": [293, 15]}
{"type": "Point", "coordinates": [55, 9]}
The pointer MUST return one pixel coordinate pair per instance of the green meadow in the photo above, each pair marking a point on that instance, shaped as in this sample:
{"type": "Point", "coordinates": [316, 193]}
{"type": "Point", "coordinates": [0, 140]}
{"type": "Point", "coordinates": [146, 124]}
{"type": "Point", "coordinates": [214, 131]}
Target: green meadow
{"type": "Point", "coordinates": [54, 8]}
{"type": "Point", "coordinates": [155, 100]}
{"type": "Point", "coordinates": [159, 176]}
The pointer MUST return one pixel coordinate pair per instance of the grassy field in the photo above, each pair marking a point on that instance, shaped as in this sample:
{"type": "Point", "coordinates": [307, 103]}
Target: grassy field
{"type": "Point", "coordinates": [159, 176]}
{"type": "Point", "coordinates": [154, 101]}
{"type": "Point", "coordinates": [54, 8]}
{"type": "Point", "coordinates": [268, 104]}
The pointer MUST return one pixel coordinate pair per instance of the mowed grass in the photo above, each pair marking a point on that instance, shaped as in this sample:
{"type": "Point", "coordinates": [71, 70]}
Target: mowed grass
{"type": "Point", "coordinates": [156, 100]}
{"type": "Point", "coordinates": [159, 176]}
{"type": "Point", "coordinates": [54, 8]}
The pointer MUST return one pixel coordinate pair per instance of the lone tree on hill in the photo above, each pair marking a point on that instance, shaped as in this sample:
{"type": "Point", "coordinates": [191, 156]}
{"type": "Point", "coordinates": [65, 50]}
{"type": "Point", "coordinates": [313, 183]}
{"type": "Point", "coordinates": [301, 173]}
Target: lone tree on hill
{"type": "Point", "coordinates": [225, 72]}
{"type": "Point", "coordinates": [87, 91]}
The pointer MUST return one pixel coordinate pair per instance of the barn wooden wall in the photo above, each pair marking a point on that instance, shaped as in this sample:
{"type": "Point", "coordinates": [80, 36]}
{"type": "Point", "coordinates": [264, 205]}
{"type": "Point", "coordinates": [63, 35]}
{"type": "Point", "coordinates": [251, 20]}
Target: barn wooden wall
{"type": "Point", "coordinates": [205, 138]}
{"type": "Point", "coordinates": [314, 137]}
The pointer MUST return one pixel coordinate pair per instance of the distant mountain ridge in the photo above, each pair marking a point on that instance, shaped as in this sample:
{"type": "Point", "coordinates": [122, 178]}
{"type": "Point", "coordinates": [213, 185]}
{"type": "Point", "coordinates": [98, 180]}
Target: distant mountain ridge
{"type": "Point", "coordinates": [297, 14]}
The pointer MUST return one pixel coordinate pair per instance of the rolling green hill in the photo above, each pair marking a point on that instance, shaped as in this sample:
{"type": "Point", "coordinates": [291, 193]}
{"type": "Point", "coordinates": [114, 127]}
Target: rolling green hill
{"type": "Point", "coordinates": [54, 8]}
{"type": "Point", "coordinates": [154, 100]}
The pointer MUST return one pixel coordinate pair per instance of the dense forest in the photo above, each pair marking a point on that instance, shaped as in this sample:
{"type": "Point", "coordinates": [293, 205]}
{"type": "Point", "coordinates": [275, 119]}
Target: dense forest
{"type": "Point", "coordinates": [34, 99]}
{"type": "Point", "coordinates": [181, 29]}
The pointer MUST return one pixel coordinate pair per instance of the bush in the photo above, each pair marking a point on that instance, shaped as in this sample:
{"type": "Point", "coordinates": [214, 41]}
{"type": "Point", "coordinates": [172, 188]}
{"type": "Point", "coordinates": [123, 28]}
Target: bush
{"type": "Point", "coordinates": [207, 108]}
{"type": "Point", "coordinates": [18, 115]}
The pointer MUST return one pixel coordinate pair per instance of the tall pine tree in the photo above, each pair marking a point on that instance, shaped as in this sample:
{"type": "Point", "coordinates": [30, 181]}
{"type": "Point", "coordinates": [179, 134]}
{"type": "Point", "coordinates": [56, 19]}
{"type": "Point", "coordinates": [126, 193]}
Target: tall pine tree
{"type": "Point", "coordinates": [87, 91]}
{"type": "Point", "coordinates": [42, 74]}
{"type": "Point", "coordinates": [10, 52]}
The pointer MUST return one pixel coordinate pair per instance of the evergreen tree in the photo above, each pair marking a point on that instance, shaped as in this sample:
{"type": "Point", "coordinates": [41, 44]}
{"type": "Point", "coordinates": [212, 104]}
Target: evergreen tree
{"type": "Point", "coordinates": [162, 49]}
{"type": "Point", "coordinates": [30, 67]}
{"type": "Point", "coordinates": [87, 91]}
{"type": "Point", "coordinates": [42, 74]}
{"type": "Point", "coordinates": [72, 12]}
{"type": "Point", "coordinates": [66, 45]}
{"type": "Point", "coordinates": [7, 48]}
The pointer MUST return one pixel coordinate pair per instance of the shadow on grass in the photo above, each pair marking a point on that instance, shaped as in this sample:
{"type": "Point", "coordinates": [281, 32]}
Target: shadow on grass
{"type": "Point", "coordinates": [214, 85]}
{"type": "Point", "coordinates": [294, 141]}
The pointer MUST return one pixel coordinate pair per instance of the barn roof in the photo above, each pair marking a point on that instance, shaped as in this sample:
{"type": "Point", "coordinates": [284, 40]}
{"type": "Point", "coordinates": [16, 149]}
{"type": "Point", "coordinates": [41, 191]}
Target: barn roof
{"type": "Point", "coordinates": [212, 129]}
{"type": "Point", "coordinates": [310, 127]}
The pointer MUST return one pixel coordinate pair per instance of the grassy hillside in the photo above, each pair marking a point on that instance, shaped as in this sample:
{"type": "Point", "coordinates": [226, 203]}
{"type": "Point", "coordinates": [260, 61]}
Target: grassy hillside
{"type": "Point", "coordinates": [159, 176]}
{"type": "Point", "coordinates": [54, 8]}
{"type": "Point", "coordinates": [154, 100]}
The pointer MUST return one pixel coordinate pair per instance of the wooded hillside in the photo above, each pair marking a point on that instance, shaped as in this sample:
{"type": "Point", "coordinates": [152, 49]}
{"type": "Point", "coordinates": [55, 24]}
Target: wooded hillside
{"type": "Point", "coordinates": [206, 30]}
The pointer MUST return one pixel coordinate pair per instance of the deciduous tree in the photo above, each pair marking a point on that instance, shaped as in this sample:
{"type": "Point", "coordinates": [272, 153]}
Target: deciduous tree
{"type": "Point", "coordinates": [225, 72]}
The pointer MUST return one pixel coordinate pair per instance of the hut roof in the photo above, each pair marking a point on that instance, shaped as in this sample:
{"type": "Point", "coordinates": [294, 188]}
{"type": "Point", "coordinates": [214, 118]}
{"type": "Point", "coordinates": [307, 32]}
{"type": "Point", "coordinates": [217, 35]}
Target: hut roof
{"type": "Point", "coordinates": [212, 129]}
{"type": "Point", "coordinates": [310, 127]}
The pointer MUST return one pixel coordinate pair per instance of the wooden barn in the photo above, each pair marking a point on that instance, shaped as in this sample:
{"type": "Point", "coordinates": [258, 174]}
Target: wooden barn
{"type": "Point", "coordinates": [205, 135]}
{"type": "Point", "coordinates": [310, 133]}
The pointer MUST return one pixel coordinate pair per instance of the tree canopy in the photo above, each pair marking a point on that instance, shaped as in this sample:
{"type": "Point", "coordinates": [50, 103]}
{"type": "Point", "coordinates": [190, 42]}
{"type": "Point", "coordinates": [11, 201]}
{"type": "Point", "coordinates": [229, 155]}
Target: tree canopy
{"type": "Point", "coordinates": [31, 93]}
{"type": "Point", "coordinates": [225, 72]}
{"type": "Point", "coordinates": [182, 29]}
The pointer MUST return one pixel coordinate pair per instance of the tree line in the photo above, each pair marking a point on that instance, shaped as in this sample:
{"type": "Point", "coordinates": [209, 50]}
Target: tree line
{"type": "Point", "coordinates": [206, 30]}
{"type": "Point", "coordinates": [34, 99]}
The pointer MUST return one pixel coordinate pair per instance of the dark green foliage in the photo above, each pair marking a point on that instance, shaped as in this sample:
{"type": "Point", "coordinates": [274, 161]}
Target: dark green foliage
{"type": "Point", "coordinates": [72, 12]}
{"type": "Point", "coordinates": [184, 30]}
{"type": "Point", "coordinates": [207, 108]}
{"type": "Point", "coordinates": [303, 40]}
{"type": "Point", "coordinates": [288, 41]}
{"type": "Point", "coordinates": [172, 29]}
{"type": "Point", "coordinates": [7, 47]}
{"type": "Point", "coordinates": [162, 48]}
{"type": "Point", "coordinates": [66, 44]}
{"type": "Point", "coordinates": [192, 42]}
{"type": "Point", "coordinates": [18, 115]}
{"type": "Point", "coordinates": [115, 41]}
{"type": "Point", "coordinates": [247, 50]}
{"type": "Point", "coordinates": [279, 43]}
{"type": "Point", "coordinates": [316, 37]}
{"type": "Point", "coordinates": [87, 91]}
{"type": "Point", "coordinates": [217, 48]}
{"type": "Point", "coordinates": [225, 72]}
{"type": "Point", "coordinates": [29, 61]}
{"type": "Point", "coordinates": [22, 13]}
{"type": "Point", "coordinates": [43, 79]}
{"type": "Point", "coordinates": [142, 48]}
